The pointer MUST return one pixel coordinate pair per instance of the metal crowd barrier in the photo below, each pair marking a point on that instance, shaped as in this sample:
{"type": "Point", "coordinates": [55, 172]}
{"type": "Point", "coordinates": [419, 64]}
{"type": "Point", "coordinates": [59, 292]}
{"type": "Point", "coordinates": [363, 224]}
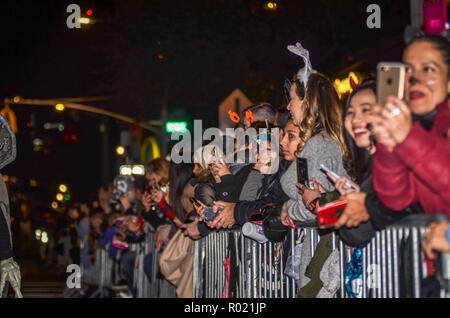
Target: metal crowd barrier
{"type": "Point", "coordinates": [105, 272]}
{"type": "Point", "coordinates": [261, 270]}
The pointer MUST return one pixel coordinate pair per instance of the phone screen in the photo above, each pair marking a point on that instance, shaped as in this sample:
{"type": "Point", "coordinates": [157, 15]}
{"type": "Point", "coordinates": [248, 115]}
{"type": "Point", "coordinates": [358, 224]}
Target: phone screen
{"type": "Point", "coordinates": [302, 172]}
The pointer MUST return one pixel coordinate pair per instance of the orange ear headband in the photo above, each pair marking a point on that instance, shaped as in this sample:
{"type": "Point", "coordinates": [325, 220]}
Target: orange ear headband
{"type": "Point", "coordinates": [235, 117]}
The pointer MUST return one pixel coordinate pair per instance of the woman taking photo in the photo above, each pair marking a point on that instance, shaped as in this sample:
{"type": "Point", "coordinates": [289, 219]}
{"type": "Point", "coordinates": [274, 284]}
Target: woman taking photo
{"type": "Point", "coordinates": [413, 152]}
{"type": "Point", "coordinates": [315, 109]}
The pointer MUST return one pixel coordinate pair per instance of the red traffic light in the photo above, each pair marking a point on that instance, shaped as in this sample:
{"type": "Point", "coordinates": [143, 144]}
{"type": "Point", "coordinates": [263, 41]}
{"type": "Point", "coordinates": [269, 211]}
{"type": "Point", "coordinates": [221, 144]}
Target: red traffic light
{"type": "Point", "coordinates": [89, 12]}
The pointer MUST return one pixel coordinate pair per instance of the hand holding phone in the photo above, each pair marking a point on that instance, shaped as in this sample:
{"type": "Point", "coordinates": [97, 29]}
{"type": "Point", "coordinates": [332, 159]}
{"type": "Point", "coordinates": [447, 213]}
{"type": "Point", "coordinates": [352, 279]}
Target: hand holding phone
{"type": "Point", "coordinates": [209, 215]}
{"type": "Point", "coordinates": [328, 214]}
{"type": "Point", "coordinates": [302, 172]}
{"type": "Point", "coordinates": [335, 175]}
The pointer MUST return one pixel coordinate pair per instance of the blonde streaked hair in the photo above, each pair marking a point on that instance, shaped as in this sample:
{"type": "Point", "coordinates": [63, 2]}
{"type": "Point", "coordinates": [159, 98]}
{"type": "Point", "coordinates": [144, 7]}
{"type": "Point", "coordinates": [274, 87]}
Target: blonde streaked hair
{"type": "Point", "coordinates": [204, 155]}
{"type": "Point", "coordinates": [322, 111]}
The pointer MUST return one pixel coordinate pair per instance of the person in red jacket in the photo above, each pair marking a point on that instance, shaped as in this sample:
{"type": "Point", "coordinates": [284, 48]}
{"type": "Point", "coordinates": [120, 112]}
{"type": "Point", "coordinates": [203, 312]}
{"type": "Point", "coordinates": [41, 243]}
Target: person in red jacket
{"type": "Point", "coordinates": [412, 162]}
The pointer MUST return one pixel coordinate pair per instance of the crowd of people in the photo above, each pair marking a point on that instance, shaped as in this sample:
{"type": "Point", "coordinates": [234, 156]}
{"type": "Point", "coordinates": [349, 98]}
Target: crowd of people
{"type": "Point", "coordinates": [391, 159]}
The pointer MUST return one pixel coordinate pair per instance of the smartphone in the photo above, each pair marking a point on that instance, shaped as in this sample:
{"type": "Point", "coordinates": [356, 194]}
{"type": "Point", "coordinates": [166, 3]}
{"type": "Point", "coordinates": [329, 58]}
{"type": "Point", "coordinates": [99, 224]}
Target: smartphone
{"type": "Point", "coordinates": [390, 80]}
{"type": "Point", "coordinates": [334, 174]}
{"type": "Point", "coordinates": [328, 214]}
{"type": "Point", "coordinates": [210, 215]}
{"type": "Point", "coordinates": [302, 172]}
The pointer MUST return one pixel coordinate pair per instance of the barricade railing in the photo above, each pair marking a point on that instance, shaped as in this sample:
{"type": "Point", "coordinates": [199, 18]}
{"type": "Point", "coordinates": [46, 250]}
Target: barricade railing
{"type": "Point", "coordinates": [392, 266]}
{"type": "Point", "coordinates": [105, 272]}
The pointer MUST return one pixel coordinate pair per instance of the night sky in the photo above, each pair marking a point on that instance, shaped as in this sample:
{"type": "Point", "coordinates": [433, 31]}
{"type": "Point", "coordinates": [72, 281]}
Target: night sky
{"type": "Point", "coordinates": [188, 55]}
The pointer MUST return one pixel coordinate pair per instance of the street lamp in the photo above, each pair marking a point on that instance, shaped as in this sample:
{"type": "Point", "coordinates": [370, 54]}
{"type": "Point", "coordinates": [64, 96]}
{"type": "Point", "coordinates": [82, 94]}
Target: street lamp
{"type": "Point", "coordinates": [271, 6]}
{"type": "Point", "coordinates": [120, 150]}
{"type": "Point", "coordinates": [59, 107]}
{"type": "Point", "coordinates": [62, 188]}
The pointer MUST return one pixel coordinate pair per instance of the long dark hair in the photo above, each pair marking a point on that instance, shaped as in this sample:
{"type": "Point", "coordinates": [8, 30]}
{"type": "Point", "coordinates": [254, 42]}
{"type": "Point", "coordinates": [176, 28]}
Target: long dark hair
{"type": "Point", "coordinates": [179, 176]}
{"type": "Point", "coordinates": [358, 161]}
{"type": "Point", "coordinates": [323, 111]}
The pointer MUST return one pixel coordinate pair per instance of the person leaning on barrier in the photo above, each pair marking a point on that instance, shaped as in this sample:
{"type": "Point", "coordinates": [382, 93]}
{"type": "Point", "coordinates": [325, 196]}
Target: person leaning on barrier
{"type": "Point", "coordinates": [412, 159]}
{"type": "Point", "coordinates": [250, 183]}
{"type": "Point", "coordinates": [364, 213]}
{"type": "Point", "coordinates": [315, 109]}
{"type": "Point", "coordinates": [270, 191]}
{"type": "Point", "coordinates": [202, 185]}
{"type": "Point", "coordinates": [229, 178]}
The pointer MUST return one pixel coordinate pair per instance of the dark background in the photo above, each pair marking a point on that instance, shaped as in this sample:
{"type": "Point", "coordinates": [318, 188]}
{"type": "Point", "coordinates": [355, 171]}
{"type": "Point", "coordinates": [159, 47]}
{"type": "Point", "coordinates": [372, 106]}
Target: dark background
{"type": "Point", "coordinates": [187, 55]}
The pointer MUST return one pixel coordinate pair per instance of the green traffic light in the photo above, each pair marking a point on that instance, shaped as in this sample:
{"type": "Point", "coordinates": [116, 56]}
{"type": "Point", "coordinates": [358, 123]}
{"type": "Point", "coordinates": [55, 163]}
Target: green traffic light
{"type": "Point", "coordinates": [67, 197]}
{"type": "Point", "coordinates": [176, 126]}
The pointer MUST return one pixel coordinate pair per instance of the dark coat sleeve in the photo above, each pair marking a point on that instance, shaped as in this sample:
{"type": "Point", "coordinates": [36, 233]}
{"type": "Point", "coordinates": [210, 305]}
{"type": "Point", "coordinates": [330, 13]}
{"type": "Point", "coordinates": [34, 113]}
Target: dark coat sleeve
{"type": "Point", "coordinates": [230, 187]}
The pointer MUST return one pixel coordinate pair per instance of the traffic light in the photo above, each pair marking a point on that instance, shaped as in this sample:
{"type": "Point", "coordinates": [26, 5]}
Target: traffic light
{"type": "Point", "coordinates": [69, 134]}
{"type": "Point", "coordinates": [176, 126]}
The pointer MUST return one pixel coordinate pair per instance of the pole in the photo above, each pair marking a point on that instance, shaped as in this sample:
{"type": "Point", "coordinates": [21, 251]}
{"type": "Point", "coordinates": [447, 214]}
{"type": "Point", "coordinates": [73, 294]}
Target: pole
{"type": "Point", "coordinates": [163, 133]}
{"type": "Point", "coordinates": [416, 13]}
{"type": "Point", "coordinates": [82, 107]}
{"type": "Point", "coordinates": [104, 129]}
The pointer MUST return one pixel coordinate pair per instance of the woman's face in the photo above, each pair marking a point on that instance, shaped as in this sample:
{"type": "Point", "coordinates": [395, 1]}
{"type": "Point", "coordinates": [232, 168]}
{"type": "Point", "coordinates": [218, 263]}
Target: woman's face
{"type": "Point", "coordinates": [430, 72]}
{"type": "Point", "coordinates": [153, 177]}
{"type": "Point", "coordinates": [290, 141]}
{"type": "Point", "coordinates": [73, 213]}
{"type": "Point", "coordinates": [356, 117]}
{"type": "Point", "coordinates": [296, 105]}
{"type": "Point", "coordinates": [197, 169]}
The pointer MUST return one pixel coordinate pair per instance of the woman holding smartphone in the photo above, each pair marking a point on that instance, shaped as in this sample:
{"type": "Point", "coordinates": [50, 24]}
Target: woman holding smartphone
{"type": "Point", "coordinates": [413, 151]}
{"type": "Point", "coordinates": [314, 106]}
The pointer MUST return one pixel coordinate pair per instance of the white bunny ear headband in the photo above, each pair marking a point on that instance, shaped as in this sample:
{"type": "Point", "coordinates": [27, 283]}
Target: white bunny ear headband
{"type": "Point", "coordinates": [304, 73]}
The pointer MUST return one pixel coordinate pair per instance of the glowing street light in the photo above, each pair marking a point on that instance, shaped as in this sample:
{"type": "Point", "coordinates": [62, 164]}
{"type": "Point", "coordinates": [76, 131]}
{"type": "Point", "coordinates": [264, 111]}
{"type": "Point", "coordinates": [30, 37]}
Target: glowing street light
{"type": "Point", "coordinates": [120, 150]}
{"type": "Point", "coordinates": [271, 6]}
{"type": "Point", "coordinates": [54, 205]}
{"type": "Point", "coordinates": [59, 197]}
{"type": "Point", "coordinates": [85, 20]}
{"type": "Point", "coordinates": [138, 169]}
{"type": "Point", "coordinates": [44, 237]}
{"type": "Point", "coordinates": [62, 188]}
{"type": "Point", "coordinates": [59, 107]}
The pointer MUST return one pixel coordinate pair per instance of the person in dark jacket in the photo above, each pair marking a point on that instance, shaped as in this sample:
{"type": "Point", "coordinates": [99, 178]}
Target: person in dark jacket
{"type": "Point", "coordinates": [270, 192]}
